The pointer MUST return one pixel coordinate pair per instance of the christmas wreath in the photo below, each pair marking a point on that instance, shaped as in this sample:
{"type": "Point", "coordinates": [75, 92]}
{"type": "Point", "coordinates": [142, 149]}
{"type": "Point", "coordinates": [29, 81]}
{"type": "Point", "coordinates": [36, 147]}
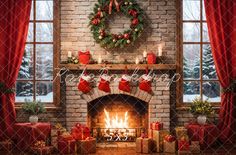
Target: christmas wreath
{"type": "Point", "coordinates": [98, 21]}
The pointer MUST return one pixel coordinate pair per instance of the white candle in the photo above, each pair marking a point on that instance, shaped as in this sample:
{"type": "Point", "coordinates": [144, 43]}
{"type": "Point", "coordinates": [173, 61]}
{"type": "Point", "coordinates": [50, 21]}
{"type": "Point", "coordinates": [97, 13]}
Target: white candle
{"type": "Point", "coordinates": [69, 54]}
{"type": "Point", "coordinates": [145, 54]}
{"type": "Point", "coordinates": [137, 61]}
{"type": "Point", "coordinates": [99, 59]}
{"type": "Point", "coordinates": [160, 51]}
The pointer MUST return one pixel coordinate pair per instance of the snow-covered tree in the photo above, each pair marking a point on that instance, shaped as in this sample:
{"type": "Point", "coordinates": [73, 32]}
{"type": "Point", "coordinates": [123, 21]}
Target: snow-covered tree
{"type": "Point", "coordinates": [24, 89]}
{"type": "Point", "coordinates": [186, 70]}
{"type": "Point", "coordinates": [209, 72]}
{"type": "Point", "coordinates": [208, 66]}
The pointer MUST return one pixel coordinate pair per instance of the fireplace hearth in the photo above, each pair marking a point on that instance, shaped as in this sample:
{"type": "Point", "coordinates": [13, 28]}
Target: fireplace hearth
{"type": "Point", "coordinates": [117, 118]}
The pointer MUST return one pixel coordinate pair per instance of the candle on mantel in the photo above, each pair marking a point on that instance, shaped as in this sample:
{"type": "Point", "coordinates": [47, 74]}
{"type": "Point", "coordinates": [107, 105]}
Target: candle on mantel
{"type": "Point", "coordinates": [99, 59]}
{"type": "Point", "coordinates": [160, 51]}
{"type": "Point", "coordinates": [69, 54]}
{"type": "Point", "coordinates": [145, 54]}
{"type": "Point", "coordinates": [137, 61]}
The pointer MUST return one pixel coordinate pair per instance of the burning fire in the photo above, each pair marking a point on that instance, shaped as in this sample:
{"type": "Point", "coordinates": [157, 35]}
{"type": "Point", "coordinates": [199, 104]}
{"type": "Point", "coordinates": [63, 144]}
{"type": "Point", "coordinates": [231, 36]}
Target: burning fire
{"type": "Point", "coordinates": [116, 122]}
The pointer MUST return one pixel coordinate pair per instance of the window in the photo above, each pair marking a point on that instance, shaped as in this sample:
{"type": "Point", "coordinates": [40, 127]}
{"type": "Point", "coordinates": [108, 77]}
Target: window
{"type": "Point", "coordinates": [199, 74]}
{"type": "Point", "coordinates": [36, 72]}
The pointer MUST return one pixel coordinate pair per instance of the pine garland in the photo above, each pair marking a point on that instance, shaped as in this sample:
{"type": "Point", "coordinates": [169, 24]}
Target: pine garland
{"type": "Point", "coordinates": [101, 34]}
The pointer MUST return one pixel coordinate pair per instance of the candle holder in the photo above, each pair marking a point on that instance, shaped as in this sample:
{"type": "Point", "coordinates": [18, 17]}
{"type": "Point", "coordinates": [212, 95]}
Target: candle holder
{"type": "Point", "coordinates": [144, 60]}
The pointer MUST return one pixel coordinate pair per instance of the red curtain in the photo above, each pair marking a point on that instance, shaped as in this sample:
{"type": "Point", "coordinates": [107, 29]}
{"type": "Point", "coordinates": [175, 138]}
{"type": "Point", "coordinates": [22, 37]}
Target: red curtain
{"type": "Point", "coordinates": [221, 21]}
{"type": "Point", "coordinates": [14, 21]}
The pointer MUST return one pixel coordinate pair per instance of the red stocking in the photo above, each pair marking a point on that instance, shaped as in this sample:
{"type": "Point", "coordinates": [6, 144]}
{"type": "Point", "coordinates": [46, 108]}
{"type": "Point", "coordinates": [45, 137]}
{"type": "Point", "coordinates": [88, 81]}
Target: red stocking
{"type": "Point", "coordinates": [84, 84]}
{"type": "Point", "coordinates": [145, 83]}
{"type": "Point", "coordinates": [104, 84]}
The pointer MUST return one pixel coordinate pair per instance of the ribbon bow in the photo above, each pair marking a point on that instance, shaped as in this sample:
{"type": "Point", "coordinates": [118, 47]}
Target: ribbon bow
{"type": "Point", "coordinates": [116, 4]}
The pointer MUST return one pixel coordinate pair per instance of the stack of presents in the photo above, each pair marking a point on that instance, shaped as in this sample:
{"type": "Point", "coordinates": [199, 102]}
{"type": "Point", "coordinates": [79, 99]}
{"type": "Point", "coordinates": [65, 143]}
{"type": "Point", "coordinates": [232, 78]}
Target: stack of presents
{"type": "Point", "coordinates": [78, 141]}
{"type": "Point", "coordinates": [161, 141]}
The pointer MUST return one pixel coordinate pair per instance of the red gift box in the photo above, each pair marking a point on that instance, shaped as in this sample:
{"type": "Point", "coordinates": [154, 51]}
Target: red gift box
{"type": "Point", "coordinates": [151, 58]}
{"type": "Point", "coordinates": [86, 146]}
{"type": "Point", "coordinates": [66, 145]}
{"type": "Point", "coordinates": [42, 150]}
{"type": "Point", "coordinates": [80, 132]}
{"type": "Point", "coordinates": [156, 126]}
{"type": "Point", "coordinates": [6, 145]}
{"type": "Point", "coordinates": [84, 57]}
{"type": "Point", "coordinates": [183, 145]}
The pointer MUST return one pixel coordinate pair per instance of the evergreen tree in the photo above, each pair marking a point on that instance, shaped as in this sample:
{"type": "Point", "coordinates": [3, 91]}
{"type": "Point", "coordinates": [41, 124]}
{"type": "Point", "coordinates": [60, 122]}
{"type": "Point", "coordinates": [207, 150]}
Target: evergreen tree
{"type": "Point", "coordinates": [209, 72]}
{"type": "Point", "coordinates": [187, 73]}
{"type": "Point", "coordinates": [24, 89]}
{"type": "Point", "coordinates": [208, 66]}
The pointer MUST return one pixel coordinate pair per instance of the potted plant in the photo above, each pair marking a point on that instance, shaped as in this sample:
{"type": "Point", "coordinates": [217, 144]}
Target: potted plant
{"type": "Point", "coordinates": [33, 108]}
{"type": "Point", "coordinates": [202, 109]}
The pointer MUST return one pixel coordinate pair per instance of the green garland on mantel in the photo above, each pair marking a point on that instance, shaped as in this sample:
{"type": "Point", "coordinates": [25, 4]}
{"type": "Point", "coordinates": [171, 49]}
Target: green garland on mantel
{"type": "Point", "coordinates": [99, 18]}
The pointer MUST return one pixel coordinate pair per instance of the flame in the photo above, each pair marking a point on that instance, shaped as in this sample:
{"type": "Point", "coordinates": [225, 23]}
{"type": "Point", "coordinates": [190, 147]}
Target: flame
{"type": "Point", "coordinates": [116, 122]}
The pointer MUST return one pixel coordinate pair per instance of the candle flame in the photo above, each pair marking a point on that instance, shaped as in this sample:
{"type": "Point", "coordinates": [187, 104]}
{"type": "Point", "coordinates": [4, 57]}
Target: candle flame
{"type": "Point", "coordinates": [116, 122]}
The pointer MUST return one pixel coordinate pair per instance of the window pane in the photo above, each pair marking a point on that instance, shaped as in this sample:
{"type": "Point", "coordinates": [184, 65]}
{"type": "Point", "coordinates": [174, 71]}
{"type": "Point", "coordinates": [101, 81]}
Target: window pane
{"type": "Point", "coordinates": [32, 11]}
{"type": "Point", "coordinates": [191, 32]}
{"type": "Point", "coordinates": [191, 91]}
{"type": "Point", "coordinates": [24, 90]}
{"type": "Point", "coordinates": [26, 68]}
{"type": "Point", "coordinates": [44, 91]}
{"type": "Point", "coordinates": [44, 32]}
{"type": "Point", "coordinates": [44, 61]}
{"type": "Point", "coordinates": [205, 33]}
{"type": "Point", "coordinates": [191, 10]}
{"type": "Point", "coordinates": [211, 91]}
{"type": "Point", "coordinates": [191, 61]}
{"type": "Point", "coordinates": [30, 37]}
{"type": "Point", "coordinates": [203, 11]}
{"type": "Point", "coordinates": [44, 10]}
{"type": "Point", "coordinates": [208, 66]}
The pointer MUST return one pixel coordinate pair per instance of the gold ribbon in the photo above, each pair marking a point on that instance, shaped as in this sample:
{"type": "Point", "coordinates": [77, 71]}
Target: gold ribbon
{"type": "Point", "coordinates": [116, 4]}
{"type": "Point", "coordinates": [5, 90]}
{"type": "Point", "coordinates": [231, 88]}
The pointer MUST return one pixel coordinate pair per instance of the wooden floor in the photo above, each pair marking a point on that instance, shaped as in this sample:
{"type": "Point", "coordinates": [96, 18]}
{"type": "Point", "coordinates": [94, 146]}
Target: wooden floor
{"type": "Point", "coordinates": [227, 150]}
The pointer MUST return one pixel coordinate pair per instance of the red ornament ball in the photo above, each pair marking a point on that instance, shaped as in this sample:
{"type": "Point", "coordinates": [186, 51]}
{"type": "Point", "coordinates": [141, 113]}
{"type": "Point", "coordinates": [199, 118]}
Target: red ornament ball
{"type": "Point", "coordinates": [120, 36]}
{"type": "Point", "coordinates": [133, 13]}
{"type": "Point", "coordinates": [126, 36]}
{"type": "Point", "coordinates": [135, 21]}
{"type": "Point", "coordinates": [96, 21]}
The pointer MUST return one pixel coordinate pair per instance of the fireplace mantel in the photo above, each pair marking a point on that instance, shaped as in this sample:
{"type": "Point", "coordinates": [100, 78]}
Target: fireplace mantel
{"type": "Point", "coordinates": [119, 66]}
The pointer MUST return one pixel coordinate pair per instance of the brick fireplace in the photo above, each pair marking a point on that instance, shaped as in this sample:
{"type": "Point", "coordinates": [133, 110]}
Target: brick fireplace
{"type": "Point", "coordinates": [142, 107]}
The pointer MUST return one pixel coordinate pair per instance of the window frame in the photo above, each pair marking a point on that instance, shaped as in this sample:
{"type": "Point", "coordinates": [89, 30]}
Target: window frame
{"type": "Point", "coordinates": [179, 57]}
{"type": "Point", "coordinates": [56, 47]}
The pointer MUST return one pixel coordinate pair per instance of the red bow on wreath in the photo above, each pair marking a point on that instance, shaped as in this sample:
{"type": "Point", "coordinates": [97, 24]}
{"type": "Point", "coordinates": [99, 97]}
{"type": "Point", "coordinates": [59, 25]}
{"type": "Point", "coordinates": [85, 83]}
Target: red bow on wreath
{"type": "Point", "coordinates": [117, 6]}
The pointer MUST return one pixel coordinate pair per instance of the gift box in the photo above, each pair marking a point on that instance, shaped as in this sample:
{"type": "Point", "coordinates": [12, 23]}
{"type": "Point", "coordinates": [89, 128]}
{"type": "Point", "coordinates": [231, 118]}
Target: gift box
{"type": "Point", "coordinates": [151, 58]}
{"type": "Point", "coordinates": [169, 147]}
{"type": "Point", "coordinates": [158, 139]}
{"type": "Point", "coordinates": [156, 126]}
{"type": "Point", "coordinates": [84, 57]}
{"type": "Point", "coordinates": [66, 144]}
{"type": "Point", "coordinates": [183, 143]}
{"type": "Point", "coordinates": [42, 150]}
{"type": "Point", "coordinates": [180, 132]}
{"type": "Point", "coordinates": [6, 145]}
{"type": "Point", "coordinates": [195, 147]}
{"type": "Point", "coordinates": [80, 132]}
{"type": "Point", "coordinates": [143, 145]}
{"type": "Point", "coordinates": [86, 146]}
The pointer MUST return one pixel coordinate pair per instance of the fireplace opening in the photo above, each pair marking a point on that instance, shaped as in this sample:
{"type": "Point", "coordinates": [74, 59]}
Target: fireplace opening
{"type": "Point", "coordinates": [117, 118]}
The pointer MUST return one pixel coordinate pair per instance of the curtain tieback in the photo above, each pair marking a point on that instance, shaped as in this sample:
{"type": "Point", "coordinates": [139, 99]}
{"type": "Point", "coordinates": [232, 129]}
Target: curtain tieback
{"type": "Point", "coordinates": [5, 90]}
{"type": "Point", "coordinates": [231, 88]}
